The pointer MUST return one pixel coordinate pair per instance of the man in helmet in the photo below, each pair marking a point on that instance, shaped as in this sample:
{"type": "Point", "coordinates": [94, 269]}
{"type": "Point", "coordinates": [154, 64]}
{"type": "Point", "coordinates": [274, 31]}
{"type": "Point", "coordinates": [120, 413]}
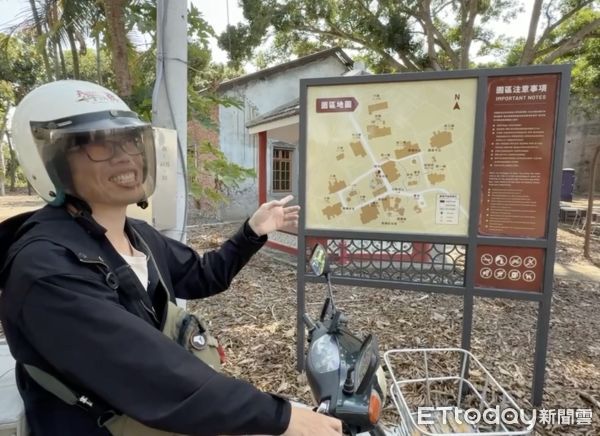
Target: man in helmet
{"type": "Point", "coordinates": [87, 292]}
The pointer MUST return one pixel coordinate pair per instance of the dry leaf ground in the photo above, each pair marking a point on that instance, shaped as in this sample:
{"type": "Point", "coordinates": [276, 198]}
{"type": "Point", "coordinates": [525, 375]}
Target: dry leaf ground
{"type": "Point", "coordinates": [256, 319]}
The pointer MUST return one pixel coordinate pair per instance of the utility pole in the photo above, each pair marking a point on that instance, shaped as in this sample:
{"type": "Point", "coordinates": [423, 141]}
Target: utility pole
{"type": "Point", "coordinates": [169, 99]}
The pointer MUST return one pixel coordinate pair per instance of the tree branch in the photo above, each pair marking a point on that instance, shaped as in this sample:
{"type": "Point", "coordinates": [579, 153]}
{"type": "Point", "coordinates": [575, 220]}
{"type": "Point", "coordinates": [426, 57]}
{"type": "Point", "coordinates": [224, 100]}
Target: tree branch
{"type": "Point", "coordinates": [363, 43]}
{"type": "Point", "coordinates": [409, 64]}
{"type": "Point", "coordinates": [442, 7]}
{"type": "Point", "coordinates": [549, 29]}
{"type": "Point", "coordinates": [572, 42]}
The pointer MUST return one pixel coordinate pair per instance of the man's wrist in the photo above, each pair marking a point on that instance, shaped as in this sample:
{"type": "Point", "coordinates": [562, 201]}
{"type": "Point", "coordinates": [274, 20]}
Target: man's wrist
{"type": "Point", "coordinates": [252, 227]}
{"type": "Point", "coordinates": [250, 232]}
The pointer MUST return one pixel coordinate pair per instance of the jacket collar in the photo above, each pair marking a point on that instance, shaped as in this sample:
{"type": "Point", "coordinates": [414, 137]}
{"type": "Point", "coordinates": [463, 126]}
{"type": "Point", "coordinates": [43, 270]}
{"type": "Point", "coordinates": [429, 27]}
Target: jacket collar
{"type": "Point", "coordinates": [54, 224]}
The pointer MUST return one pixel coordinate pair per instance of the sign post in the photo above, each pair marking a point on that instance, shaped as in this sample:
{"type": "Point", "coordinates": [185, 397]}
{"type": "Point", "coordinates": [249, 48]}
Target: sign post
{"type": "Point", "coordinates": [439, 182]}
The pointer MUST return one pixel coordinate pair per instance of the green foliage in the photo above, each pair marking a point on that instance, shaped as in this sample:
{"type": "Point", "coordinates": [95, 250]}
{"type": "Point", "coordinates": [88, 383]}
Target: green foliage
{"type": "Point", "coordinates": [20, 65]}
{"type": "Point", "coordinates": [13, 170]}
{"type": "Point", "coordinates": [199, 30]}
{"type": "Point", "coordinates": [20, 71]}
{"type": "Point", "coordinates": [585, 59]}
{"type": "Point", "coordinates": [402, 35]}
{"type": "Point", "coordinates": [88, 69]}
{"type": "Point", "coordinates": [142, 15]}
{"type": "Point", "coordinates": [224, 175]}
{"type": "Point", "coordinates": [231, 41]}
{"type": "Point", "coordinates": [389, 33]}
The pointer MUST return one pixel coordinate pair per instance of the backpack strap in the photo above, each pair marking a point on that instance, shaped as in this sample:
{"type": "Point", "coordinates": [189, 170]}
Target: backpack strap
{"type": "Point", "coordinates": [70, 396]}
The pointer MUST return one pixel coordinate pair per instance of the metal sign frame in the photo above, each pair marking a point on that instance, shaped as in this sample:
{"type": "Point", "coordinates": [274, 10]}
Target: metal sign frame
{"type": "Point", "coordinates": [468, 245]}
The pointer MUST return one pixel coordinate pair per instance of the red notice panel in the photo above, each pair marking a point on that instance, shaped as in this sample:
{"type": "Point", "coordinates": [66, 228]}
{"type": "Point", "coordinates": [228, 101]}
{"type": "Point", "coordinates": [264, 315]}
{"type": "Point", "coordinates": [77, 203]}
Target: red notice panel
{"type": "Point", "coordinates": [519, 137]}
{"type": "Point", "coordinates": [513, 268]}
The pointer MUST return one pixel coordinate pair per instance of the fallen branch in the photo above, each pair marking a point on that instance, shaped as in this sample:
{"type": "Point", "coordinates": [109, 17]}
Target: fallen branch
{"type": "Point", "coordinates": [589, 399]}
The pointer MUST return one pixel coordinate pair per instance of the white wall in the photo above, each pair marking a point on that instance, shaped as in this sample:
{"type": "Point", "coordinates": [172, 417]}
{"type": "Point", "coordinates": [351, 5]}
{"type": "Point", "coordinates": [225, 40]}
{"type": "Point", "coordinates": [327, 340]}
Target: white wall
{"type": "Point", "coordinates": [582, 138]}
{"type": "Point", "coordinates": [259, 97]}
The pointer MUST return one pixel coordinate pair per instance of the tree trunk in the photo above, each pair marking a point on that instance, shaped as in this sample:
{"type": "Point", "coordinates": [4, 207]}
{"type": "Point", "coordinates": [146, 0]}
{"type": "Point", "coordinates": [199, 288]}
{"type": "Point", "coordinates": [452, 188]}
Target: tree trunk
{"type": "Point", "coordinates": [2, 170]}
{"type": "Point", "coordinates": [61, 57]}
{"type": "Point", "coordinates": [117, 39]}
{"type": "Point", "coordinates": [12, 168]}
{"type": "Point", "coordinates": [434, 37]}
{"type": "Point", "coordinates": [529, 49]}
{"type": "Point", "coordinates": [74, 52]}
{"type": "Point", "coordinates": [468, 15]}
{"type": "Point", "coordinates": [55, 60]}
{"type": "Point", "coordinates": [2, 161]}
{"type": "Point", "coordinates": [40, 34]}
{"type": "Point", "coordinates": [429, 32]}
{"type": "Point", "coordinates": [98, 70]}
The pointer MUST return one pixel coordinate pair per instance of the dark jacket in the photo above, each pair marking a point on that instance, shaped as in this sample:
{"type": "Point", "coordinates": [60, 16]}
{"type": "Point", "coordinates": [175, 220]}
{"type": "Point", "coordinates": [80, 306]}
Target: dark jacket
{"type": "Point", "coordinates": [68, 306]}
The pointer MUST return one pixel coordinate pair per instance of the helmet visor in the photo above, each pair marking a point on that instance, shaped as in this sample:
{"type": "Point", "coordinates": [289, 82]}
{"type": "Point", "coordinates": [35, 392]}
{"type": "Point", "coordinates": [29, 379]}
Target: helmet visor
{"type": "Point", "coordinates": [99, 139]}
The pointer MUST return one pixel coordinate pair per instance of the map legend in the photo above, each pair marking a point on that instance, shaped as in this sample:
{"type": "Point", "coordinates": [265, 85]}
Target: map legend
{"type": "Point", "coordinates": [448, 209]}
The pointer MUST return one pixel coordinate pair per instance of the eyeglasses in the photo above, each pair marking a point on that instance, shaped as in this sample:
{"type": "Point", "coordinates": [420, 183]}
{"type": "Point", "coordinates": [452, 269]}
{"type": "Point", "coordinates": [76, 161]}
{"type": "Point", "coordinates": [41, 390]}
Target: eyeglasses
{"type": "Point", "coordinates": [101, 150]}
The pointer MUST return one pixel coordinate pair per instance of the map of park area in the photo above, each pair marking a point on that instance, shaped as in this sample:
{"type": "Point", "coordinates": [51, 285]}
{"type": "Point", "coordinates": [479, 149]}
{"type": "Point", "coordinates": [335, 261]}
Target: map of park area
{"type": "Point", "coordinates": [390, 157]}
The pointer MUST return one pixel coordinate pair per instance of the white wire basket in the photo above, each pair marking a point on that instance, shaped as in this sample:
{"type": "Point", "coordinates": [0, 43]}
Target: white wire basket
{"type": "Point", "coordinates": [448, 391]}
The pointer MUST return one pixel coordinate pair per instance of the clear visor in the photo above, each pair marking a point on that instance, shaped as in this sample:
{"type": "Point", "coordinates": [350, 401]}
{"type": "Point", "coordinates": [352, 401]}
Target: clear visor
{"type": "Point", "coordinates": [121, 153]}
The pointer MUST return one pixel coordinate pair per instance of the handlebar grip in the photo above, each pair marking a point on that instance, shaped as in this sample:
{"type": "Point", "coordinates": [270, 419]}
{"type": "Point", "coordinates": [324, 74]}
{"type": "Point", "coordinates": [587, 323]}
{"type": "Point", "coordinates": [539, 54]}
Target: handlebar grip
{"type": "Point", "coordinates": [308, 322]}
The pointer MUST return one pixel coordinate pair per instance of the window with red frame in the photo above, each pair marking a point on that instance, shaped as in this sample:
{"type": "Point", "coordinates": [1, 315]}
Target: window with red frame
{"type": "Point", "coordinates": [282, 169]}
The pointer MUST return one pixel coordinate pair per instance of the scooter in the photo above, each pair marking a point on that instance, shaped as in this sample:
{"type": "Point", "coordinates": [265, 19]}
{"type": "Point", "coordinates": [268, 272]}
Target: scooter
{"type": "Point", "coordinates": [348, 383]}
{"type": "Point", "coordinates": [343, 371]}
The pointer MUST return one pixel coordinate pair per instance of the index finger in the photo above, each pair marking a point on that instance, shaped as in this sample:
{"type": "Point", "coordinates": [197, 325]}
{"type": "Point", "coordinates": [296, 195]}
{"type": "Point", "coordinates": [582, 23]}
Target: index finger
{"type": "Point", "coordinates": [285, 200]}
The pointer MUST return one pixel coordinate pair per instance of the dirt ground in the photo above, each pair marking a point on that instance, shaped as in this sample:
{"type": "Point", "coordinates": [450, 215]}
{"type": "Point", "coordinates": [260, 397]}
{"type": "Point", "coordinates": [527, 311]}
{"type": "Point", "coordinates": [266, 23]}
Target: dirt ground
{"type": "Point", "coordinates": [255, 321]}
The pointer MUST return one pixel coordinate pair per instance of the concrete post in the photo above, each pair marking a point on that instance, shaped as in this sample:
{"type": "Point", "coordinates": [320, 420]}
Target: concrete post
{"type": "Point", "coordinates": [169, 99]}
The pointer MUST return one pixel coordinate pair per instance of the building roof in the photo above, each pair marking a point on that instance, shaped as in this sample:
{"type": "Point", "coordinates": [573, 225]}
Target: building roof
{"type": "Point", "coordinates": [292, 108]}
{"type": "Point", "coordinates": [285, 110]}
{"type": "Point", "coordinates": [336, 51]}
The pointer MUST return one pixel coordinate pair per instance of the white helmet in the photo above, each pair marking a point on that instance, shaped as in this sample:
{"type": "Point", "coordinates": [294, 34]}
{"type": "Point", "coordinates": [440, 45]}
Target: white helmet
{"type": "Point", "coordinates": [71, 113]}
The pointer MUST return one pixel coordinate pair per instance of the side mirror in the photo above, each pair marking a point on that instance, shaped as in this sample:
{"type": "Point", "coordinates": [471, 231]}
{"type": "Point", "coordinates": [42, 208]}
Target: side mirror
{"type": "Point", "coordinates": [319, 262]}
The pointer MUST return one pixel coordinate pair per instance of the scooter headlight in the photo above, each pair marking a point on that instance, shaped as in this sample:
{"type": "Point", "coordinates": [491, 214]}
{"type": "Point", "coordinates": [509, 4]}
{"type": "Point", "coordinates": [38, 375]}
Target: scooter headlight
{"type": "Point", "coordinates": [324, 354]}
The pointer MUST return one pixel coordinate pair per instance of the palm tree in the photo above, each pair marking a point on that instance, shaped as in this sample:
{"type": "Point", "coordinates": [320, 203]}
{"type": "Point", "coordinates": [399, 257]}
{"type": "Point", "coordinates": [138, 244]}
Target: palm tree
{"type": "Point", "coordinates": [71, 21]}
{"type": "Point", "coordinates": [42, 39]}
{"type": "Point", "coordinates": [60, 22]}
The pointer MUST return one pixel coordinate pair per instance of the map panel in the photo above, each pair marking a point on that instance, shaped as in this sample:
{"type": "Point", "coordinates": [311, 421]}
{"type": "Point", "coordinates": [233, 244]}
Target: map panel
{"type": "Point", "coordinates": [390, 157]}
